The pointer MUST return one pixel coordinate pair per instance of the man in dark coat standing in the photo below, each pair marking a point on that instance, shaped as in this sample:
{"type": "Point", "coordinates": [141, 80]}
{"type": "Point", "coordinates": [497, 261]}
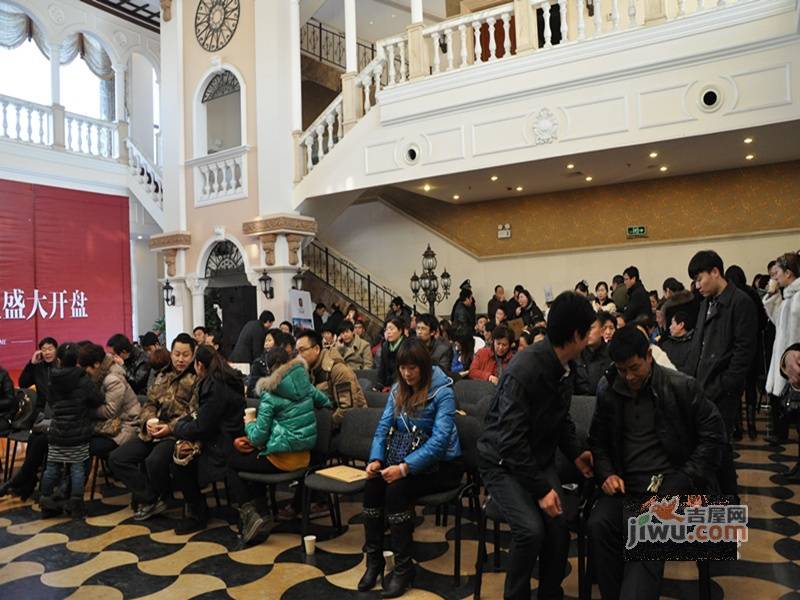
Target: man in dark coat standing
{"type": "Point", "coordinates": [528, 419]}
{"type": "Point", "coordinates": [250, 344]}
{"type": "Point", "coordinates": [638, 298]}
{"type": "Point", "coordinates": [723, 347]}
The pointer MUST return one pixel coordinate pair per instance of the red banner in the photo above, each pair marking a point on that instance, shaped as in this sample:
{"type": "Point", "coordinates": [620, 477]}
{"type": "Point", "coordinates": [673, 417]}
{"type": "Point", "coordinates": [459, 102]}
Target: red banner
{"type": "Point", "coordinates": [64, 268]}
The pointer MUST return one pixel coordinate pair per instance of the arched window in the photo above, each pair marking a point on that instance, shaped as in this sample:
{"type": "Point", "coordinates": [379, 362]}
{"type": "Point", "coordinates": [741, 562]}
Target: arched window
{"type": "Point", "coordinates": [222, 99]}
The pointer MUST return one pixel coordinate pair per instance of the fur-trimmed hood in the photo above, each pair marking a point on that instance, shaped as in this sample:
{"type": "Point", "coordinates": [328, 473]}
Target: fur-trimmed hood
{"type": "Point", "coordinates": [290, 380]}
{"type": "Point", "coordinates": [107, 367]}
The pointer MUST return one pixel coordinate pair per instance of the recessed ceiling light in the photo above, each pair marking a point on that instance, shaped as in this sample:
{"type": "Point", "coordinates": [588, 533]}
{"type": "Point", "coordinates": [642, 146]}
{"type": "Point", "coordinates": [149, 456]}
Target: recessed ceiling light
{"type": "Point", "coordinates": [570, 166]}
{"type": "Point", "coordinates": [589, 178]}
{"type": "Point", "coordinates": [426, 187]}
{"type": "Point", "coordinates": [393, 16]}
{"type": "Point", "coordinates": [139, 237]}
{"type": "Point", "coordinates": [456, 197]}
{"type": "Point", "coordinates": [372, 22]}
{"type": "Point", "coordinates": [495, 178]}
{"type": "Point", "coordinates": [654, 155]}
{"type": "Point", "coordinates": [748, 140]}
{"type": "Point", "coordinates": [750, 156]}
{"type": "Point", "coordinates": [663, 168]}
{"type": "Point", "coordinates": [519, 188]}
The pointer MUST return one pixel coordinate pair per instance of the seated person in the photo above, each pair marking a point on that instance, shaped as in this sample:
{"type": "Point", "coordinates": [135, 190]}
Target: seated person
{"type": "Point", "coordinates": [329, 335]}
{"type": "Point", "coordinates": [330, 375]}
{"type": "Point", "coordinates": [199, 334]}
{"type": "Point", "coordinates": [280, 437]}
{"type": "Point", "coordinates": [490, 362]}
{"type": "Point", "coordinates": [441, 352]}
{"type": "Point", "coordinates": [680, 314]}
{"type": "Point", "coordinates": [480, 325]}
{"type": "Point", "coordinates": [360, 329]}
{"type": "Point", "coordinates": [286, 327]}
{"type": "Point", "coordinates": [423, 398]}
{"type": "Point", "coordinates": [387, 365]}
{"type": "Point", "coordinates": [500, 317]}
{"type": "Point", "coordinates": [463, 352]}
{"type": "Point", "coordinates": [8, 401]}
{"type": "Point", "coordinates": [525, 340]}
{"type": "Point", "coordinates": [133, 359]}
{"type": "Point", "coordinates": [214, 425]}
{"type": "Point", "coordinates": [258, 368]}
{"type": "Point", "coordinates": [592, 363]}
{"type": "Point", "coordinates": [608, 324]}
{"type": "Point", "coordinates": [167, 401]}
{"type": "Point", "coordinates": [649, 421]}
{"type": "Point", "coordinates": [356, 352]}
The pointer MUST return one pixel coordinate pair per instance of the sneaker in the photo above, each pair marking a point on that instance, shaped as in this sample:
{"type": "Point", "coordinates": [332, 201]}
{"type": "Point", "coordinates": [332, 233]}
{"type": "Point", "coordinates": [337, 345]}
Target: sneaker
{"type": "Point", "coordinates": [150, 510]}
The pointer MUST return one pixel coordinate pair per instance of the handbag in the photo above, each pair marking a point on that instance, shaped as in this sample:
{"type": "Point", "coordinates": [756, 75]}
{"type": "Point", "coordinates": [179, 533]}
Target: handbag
{"type": "Point", "coordinates": [185, 451]}
{"type": "Point", "coordinates": [400, 444]}
{"type": "Point", "coordinates": [26, 412]}
{"type": "Point", "coordinates": [790, 403]}
{"type": "Point", "coordinates": [109, 428]}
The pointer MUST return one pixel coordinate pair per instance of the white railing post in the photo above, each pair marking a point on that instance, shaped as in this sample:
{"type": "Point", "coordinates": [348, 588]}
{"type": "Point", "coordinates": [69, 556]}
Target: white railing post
{"type": "Point", "coordinates": [476, 27]}
{"type": "Point", "coordinates": [462, 30]}
{"type": "Point", "coordinates": [492, 41]}
{"type": "Point", "coordinates": [615, 15]}
{"type": "Point", "coordinates": [562, 11]}
{"type": "Point", "coordinates": [548, 34]}
{"type": "Point", "coordinates": [632, 14]}
{"type": "Point", "coordinates": [681, 8]}
{"type": "Point", "coordinates": [598, 18]}
{"type": "Point", "coordinates": [506, 35]}
{"type": "Point", "coordinates": [448, 36]}
{"type": "Point", "coordinates": [582, 20]}
{"type": "Point", "coordinates": [435, 51]}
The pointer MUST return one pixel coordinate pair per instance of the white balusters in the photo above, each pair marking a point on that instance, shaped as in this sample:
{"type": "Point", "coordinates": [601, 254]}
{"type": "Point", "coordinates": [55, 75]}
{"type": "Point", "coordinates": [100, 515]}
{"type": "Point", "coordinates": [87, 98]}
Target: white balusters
{"type": "Point", "coordinates": [476, 26]}
{"type": "Point", "coordinates": [327, 130]}
{"type": "Point", "coordinates": [403, 69]}
{"type": "Point", "coordinates": [598, 18]}
{"type": "Point", "coordinates": [632, 14]}
{"type": "Point", "coordinates": [681, 8]}
{"type": "Point", "coordinates": [582, 20]}
{"type": "Point", "coordinates": [89, 136]}
{"type": "Point", "coordinates": [366, 84]}
{"type": "Point", "coordinates": [462, 30]}
{"type": "Point", "coordinates": [339, 113]}
{"type": "Point", "coordinates": [506, 35]}
{"type": "Point", "coordinates": [145, 174]}
{"type": "Point", "coordinates": [309, 144]}
{"type": "Point", "coordinates": [562, 11]}
{"type": "Point", "coordinates": [436, 51]}
{"type": "Point", "coordinates": [548, 34]}
{"type": "Point", "coordinates": [392, 69]}
{"type": "Point", "coordinates": [330, 120]}
{"type": "Point", "coordinates": [615, 15]}
{"type": "Point", "coordinates": [448, 36]}
{"type": "Point", "coordinates": [18, 109]}
{"type": "Point", "coordinates": [221, 176]}
{"type": "Point", "coordinates": [492, 41]}
{"type": "Point", "coordinates": [319, 130]}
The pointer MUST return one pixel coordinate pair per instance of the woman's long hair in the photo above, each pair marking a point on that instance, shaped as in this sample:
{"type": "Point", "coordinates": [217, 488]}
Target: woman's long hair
{"type": "Point", "coordinates": [408, 399]}
{"type": "Point", "coordinates": [217, 368]}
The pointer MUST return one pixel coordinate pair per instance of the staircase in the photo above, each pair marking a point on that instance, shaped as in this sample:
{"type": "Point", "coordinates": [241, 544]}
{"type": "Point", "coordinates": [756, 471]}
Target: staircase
{"type": "Point", "coordinates": [144, 182]}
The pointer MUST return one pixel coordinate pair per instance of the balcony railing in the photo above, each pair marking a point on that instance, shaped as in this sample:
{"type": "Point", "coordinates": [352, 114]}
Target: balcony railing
{"type": "Point", "coordinates": [328, 46]}
{"type": "Point", "coordinates": [145, 173]}
{"type": "Point", "coordinates": [25, 121]}
{"type": "Point", "coordinates": [220, 177]}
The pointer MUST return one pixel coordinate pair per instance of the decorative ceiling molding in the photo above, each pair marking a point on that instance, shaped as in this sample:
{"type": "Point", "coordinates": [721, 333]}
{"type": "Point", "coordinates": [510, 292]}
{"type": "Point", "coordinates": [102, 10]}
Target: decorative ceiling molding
{"type": "Point", "coordinates": [144, 13]}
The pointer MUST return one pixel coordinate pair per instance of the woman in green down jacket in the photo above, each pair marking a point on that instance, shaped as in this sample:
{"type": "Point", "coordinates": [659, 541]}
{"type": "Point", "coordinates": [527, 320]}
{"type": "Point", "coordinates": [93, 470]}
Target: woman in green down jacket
{"type": "Point", "coordinates": [279, 438]}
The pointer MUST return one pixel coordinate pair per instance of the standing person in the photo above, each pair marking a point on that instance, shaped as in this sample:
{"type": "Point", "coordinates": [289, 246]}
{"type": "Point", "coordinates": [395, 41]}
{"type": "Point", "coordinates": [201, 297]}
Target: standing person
{"type": "Point", "coordinates": [638, 299]}
{"type": "Point", "coordinates": [497, 301]}
{"type": "Point", "coordinates": [527, 420]}
{"type": "Point", "coordinates": [619, 293]}
{"type": "Point", "coordinates": [680, 315]}
{"type": "Point", "coordinates": [423, 399]}
{"type": "Point", "coordinates": [168, 400]}
{"type": "Point", "coordinates": [320, 312]}
{"type": "Point", "coordinates": [215, 423]}
{"type": "Point", "coordinates": [602, 300]}
{"type": "Point", "coordinates": [133, 359]}
{"type": "Point", "coordinates": [398, 310]}
{"type": "Point", "coordinates": [723, 347]}
{"type": "Point", "coordinates": [356, 352]}
{"type": "Point", "coordinates": [250, 343]}
{"type": "Point", "coordinates": [462, 313]}
{"type": "Point", "coordinates": [671, 286]}
{"type": "Point", "coordinates": [73, 399]}
{"type": "Point", "coordinates": [199, 334]}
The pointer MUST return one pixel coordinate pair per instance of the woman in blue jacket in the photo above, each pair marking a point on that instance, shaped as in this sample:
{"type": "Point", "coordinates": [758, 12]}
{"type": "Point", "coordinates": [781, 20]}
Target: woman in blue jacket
{"type": "Point", "coordinates": [422, 400]}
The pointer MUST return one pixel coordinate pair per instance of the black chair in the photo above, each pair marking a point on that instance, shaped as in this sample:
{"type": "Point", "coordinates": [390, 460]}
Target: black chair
{"type": "Point", "coordinates": [469, 430]}
{"type": "Point", "coordinates": [365, 384]}
{"type": "Point", "coordinates": [318, 457]}
{"type": "Point", "coordinates": [369, 374]}
{"type": "Point", "coordinates": [474, 397]}
{"type": "Point", "coordinates": [15, 438]}
{"type": "Point", "coordinates": [355, 441]}
{"type": "Point", "coordinates": [376, 399]}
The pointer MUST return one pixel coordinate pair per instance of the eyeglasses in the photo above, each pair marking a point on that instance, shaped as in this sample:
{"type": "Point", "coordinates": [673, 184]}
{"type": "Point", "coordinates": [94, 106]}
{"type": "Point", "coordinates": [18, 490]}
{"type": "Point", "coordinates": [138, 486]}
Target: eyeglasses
{"type": "Point", "coordinates": [306, 349]}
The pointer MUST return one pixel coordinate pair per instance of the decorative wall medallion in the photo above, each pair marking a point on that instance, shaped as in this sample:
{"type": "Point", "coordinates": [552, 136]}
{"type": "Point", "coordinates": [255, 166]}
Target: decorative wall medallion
{"type": "Point", "coordinates": [215, 23]}
{"type": "Point", "coordinates": [121, 38]}
{"type": "Point", "coordinates": [545, 127]}
{"type": "Point", "coordinates": [56, 14]}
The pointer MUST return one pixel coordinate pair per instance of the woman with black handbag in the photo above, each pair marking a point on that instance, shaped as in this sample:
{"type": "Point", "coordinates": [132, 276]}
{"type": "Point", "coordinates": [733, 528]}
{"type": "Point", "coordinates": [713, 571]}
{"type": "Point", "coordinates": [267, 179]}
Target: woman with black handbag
{"type": "Point", "coordinates": [415, 452]}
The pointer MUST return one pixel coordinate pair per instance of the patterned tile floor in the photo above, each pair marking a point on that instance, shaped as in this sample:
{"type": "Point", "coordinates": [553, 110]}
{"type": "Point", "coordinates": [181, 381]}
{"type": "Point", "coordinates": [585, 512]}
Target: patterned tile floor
{"type": "Point", "coordinates": [110, 556]}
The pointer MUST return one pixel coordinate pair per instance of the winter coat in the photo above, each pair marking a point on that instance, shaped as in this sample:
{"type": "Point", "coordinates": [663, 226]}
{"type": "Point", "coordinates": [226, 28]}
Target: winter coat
{"type": "Point", "coordinates": [484, 365]}
{"type": "Point", "coordinates": [785, 313]}
{"type": "Point", "coordinates": [441, 353]}
{"type": "Point", "coordinates": [358, 355]}
{"type": "Point", "coordinates": [436, 419]}
{"type": "Point", "coordinates": [169, 399]}
{"type": "Point", "coordinates": [689, 427]}
{"type": "Point", "coordinates": [330, 371]}
{"type": "Point", "coordinates": [724, 344]}
{"type": "Point", "coordinates": [387, 364]}
{"type": "Point", "coordinates": [589, 369]}
{"type": "Point", "coordinates": [462, 315]}
{"type": "Point", "coordinates": [620, 298]}
{"type": "Point", "coordinates": [120, 400]}
{"type": "Point", "coordinates": [215, 424]}
{"type": "Point", "coordinates": [38, 375]}
{"type": "Point", "coordinates": [285, 420]}
{"type": "Point", "coordinates": [137, 370]}
{"type": "Point", "coordinates": [8, 401]}
{"type": "Point", "coordinates": [679, 351]}
{"type": "Point", "coordinates": [73, 400]}
{"type": "Point", "coordinates": [250, 343]}
{"type": "Point", "coordinates": [608, 307]}
{"type": "Point", "coordinates": [258, 369]}
{"type": "Point", "coordinates": [638, 303]}
{"type": "Point", "coordinates": [493, 305]}
{"type": "Point", "coordinates": [529, 418]}
{"type": "Point", "coordinates": [530, 315]}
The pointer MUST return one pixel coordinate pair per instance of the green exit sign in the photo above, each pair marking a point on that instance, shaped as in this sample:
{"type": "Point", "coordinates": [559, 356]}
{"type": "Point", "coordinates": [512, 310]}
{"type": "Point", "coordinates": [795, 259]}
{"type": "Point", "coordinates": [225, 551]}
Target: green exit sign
{"type": "Point", "coordinates": [637, 231]}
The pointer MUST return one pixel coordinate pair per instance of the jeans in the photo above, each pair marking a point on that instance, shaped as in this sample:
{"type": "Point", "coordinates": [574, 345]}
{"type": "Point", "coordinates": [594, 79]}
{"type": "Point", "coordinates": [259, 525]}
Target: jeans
{"type": "Point", "coordinates": [53, 473]}
{"type": "Point", "coordinates": [533, 534]}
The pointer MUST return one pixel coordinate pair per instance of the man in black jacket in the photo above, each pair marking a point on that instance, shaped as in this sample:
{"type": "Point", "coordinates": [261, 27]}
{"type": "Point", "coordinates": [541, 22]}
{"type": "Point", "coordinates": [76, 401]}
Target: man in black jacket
{"type": "Point", "coordinates": [250, 343]}
{"type": "Point", "coordinates": [649, 421]}
{"type": "Point", "coordinates": [680, 316]}
{"type": "Point", "coordinates": [527, 420]}
{"type": "Point", "coordinates": [638, 298]}
{"type": "Point", "coordinates": [37, 371]}
{"type": "Point", "coordinates": [592, 362]}
{"type": "Point", "coordinates": [723, 347]}
{"type": "Point", "coordinates": [133, 359]}
{"type": "Point", "coordinates": [463, 310]}
{"type": "Point", "coordinates": [441, 351]}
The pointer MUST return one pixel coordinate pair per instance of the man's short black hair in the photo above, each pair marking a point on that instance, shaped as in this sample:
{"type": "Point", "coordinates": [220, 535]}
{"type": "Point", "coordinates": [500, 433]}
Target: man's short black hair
{"type": "Point", "coordinates": [329, 328]}
{"type": "Point", "coordinates": [519, 288]}
{"type": "Point", "coordinates": [570, 314]}
{"type": "Point", "coordinates": [771, 264]}
{"type": "Point", "coordinates": [200, 328]}
{"type": "Point", "coordinates": [266, 317]}
{"type": "Point", "coordinates": [632, 272]}
{"type": "Point", "coordinates": [148, 339]}
{"type": "Point", "coordinates": [705, 261]}
{"type": "Point", "coordinates": [605, 317]}
{"type": "Point", "coordinates": [312, 336]}
{"type": "Point", "coordinates": [397, 301]}
{"type": "Point", "coordinates": [672, 284]}
{"type": "Point", "coordinates": [216, 334]}
{"type": "Point", "coordinates": [288, 324]}
{"type": "Point", "coordinates": [346, 326]}
{"type": "Point", "coordinates": [503, 333]}
{"type": "Point", "coordinates": [119, 342]}
{"type": "Point", "coordinates": [617, 280]}
{"type": "Point", "coordinates": [646, 321]}
{"type": "Point", "coordinates": [320, 305]}
{"type": "Point", "coordinates": [627, 343]}
{"type": "Point", "coordinates": [681, 317]}
{"type": "Point", "coordinates": [184, 338]}
{"type": "Point", "coordinates": [47, 340]}
{"type": "Point", "coordinates": [429, 320]}
{"type": "Point", "coordinates": [497, 287]}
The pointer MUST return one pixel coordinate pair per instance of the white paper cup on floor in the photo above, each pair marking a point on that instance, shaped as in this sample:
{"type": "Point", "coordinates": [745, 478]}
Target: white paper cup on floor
{"type": "Point", "coordinates": [310, 542]}
{"type": "Point", "coordinates": [250, 413]}
{"type": "Point", "coordinates": [388, 558]}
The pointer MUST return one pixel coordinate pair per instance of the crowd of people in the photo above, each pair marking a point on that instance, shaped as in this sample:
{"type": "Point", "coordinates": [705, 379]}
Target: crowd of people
{"type": "Point", "coordinates": [673, 372]}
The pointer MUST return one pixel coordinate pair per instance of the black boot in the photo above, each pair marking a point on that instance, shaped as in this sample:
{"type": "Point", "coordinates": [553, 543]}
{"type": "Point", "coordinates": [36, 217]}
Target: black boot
{"type": "Point", "coordinates": [5, 488]}
{"type": "Point", "coordinates": [251, 521]}
{"type": "Point", "coordinates": [373, 548]}
{"type": "Point", "coordinates": [76, 507]}
{"type": "Point", "coordinates": [50, 507]}
{"type": "Point", "coordinates": [401, 578]}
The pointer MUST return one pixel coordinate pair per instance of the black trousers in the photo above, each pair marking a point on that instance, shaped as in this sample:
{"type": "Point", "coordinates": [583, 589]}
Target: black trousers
{"type": "Point", "coordinates": [778, 424]}
{"type": "Point", "coordinates": [146, 484]}
{"type": "Point", "coordinates": [533, 535]}
{"type": "Point", "coordinates": [101, 446]}
{"type": "Point", "coordinates": [618, 579]}
{"type": "Point", "coordinates": [244, 491]}
{"type": "Point", "coordinates": [399, 496]}
{"type": "Point", "coordinates": [728, 406]}
{"type": "Point", "coordinates": [25, 480]}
